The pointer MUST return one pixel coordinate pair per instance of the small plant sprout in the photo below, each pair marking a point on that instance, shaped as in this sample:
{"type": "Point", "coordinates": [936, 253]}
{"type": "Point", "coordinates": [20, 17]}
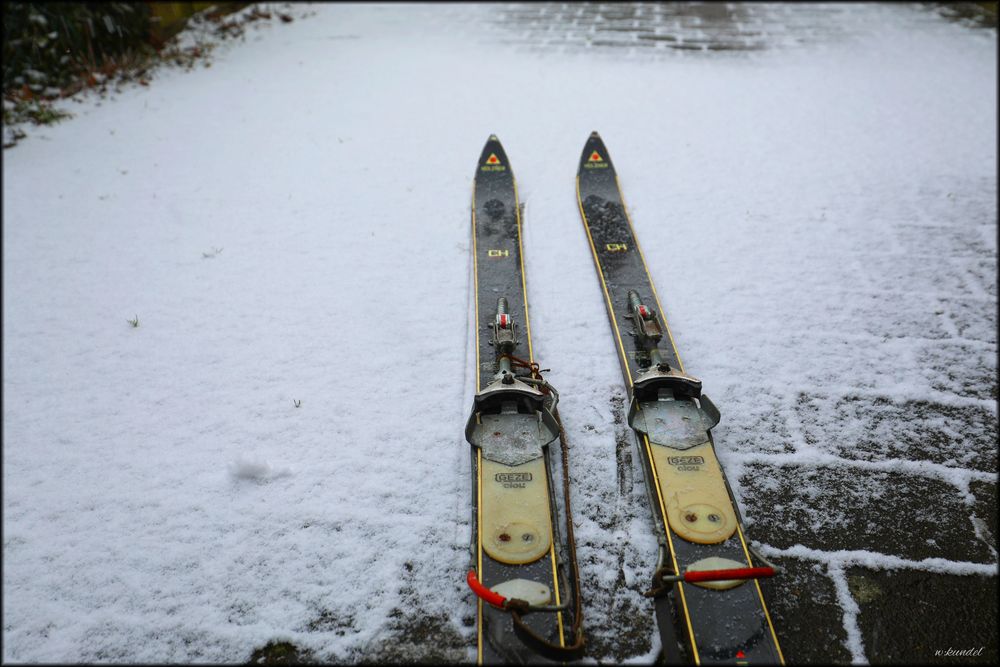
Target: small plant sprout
{"type": "Point", "coordinates": [134, 321]}
{"type": "Point", "coordinates": [297, 402]}
{"type": "Point", "coordinates": [210, 255]}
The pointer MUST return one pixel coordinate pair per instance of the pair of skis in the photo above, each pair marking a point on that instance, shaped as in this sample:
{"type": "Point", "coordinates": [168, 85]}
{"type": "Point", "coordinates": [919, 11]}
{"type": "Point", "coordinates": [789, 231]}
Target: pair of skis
{"type": "Point", "coordinates": [709, 606]}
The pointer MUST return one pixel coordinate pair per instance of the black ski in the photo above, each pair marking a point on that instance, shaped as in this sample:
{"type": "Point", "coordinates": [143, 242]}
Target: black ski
{"type": "Point", "coordinates": [709, 605]}
{"type": "Point", "coordinates": [523, 568]}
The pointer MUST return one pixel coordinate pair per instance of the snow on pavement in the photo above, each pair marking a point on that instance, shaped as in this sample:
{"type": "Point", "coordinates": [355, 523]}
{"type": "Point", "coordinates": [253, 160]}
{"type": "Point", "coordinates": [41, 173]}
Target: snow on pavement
{"type": "Point", "coordinates": [291, 227]}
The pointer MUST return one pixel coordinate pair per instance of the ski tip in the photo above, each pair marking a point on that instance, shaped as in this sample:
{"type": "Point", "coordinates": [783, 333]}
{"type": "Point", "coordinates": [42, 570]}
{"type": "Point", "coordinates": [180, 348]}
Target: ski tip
{"type": "Point", "coordinates": [594, 159]}
{"type": "Point", "coordinates": [493, 158]}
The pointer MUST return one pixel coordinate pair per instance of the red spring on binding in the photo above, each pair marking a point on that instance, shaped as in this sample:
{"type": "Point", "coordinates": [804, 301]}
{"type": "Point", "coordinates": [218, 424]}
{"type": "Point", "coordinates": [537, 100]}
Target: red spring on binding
{"type": "Point", "coordinates": [644, 312]}
{"type": "Point", "coordinates": [484, 593]}
{"type": "Point", "coordinates": [721, 575]}
{"type": "Point", "coordinates": [503, 320]}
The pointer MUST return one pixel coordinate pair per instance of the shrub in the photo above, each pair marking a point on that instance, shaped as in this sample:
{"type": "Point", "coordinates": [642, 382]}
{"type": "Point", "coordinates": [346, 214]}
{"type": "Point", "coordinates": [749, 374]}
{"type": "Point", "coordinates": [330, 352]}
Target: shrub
{"type": "Point", "coordinates": [46, 45]}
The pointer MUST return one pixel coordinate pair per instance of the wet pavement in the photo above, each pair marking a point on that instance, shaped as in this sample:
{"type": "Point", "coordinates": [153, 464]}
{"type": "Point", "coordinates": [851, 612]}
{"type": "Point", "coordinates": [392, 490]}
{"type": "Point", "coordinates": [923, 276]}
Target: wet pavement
{"type": "Point", "coordinates": [653, 27]}
{"type": "Point", "coordinates": [658, 29]}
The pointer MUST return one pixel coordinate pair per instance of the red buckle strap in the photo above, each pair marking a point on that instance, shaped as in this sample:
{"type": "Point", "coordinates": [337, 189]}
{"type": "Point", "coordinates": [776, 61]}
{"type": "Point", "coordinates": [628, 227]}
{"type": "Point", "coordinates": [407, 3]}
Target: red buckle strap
{"type": "Point", "coordinates": [483, 593]}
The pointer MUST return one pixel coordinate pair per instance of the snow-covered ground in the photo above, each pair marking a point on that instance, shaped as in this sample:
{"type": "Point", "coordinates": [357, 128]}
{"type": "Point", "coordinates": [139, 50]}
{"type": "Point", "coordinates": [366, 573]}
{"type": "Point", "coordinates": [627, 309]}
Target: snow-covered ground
{"type": "Point", "coordinates": [275, 452]}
